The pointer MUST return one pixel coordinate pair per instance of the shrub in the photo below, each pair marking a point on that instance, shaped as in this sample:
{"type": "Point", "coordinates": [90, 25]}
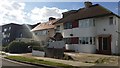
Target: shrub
{"type": "Point", "coordinates": [6, 49]}
{"type": "Point", "coordinates": [35, 46]}
{"type": "Point", "coordinates": [38, 48]}
{"type": "Point", "coordinates": [18, 47]}
{"type": "Point", "coordinates": [32, 44]}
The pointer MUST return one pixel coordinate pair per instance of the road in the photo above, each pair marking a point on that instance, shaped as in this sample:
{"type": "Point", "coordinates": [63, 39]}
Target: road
{"type": "Point", "coordinates": [12, 64]}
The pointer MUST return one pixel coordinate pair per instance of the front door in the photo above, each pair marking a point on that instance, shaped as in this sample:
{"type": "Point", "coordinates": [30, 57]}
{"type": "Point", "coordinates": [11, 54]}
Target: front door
{"type": "Point", "coordinates": [105, 45]}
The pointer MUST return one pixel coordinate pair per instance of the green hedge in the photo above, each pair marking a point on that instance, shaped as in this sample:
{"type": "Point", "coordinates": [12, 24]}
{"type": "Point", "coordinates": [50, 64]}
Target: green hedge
{"type": "Point", "coordinates": [18, 47]}
{"type": "Point", "coordinates": [38, 48]}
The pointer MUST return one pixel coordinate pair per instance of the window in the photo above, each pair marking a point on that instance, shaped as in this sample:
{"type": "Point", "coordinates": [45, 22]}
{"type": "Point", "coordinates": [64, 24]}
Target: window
{"type": "Point", "coordinates": [70, 25]}
{"type": "Point", "coordinates": [75, 24]}
{"type": "Point", "coordinates": [90, 40]}
{"type": "Point", "coordinates": [9, 28]}
{"type": "Point", "coordinates": [111, 20]}
{"type": "Point", "coordinates": [40, 33]}
{"type": "Point", "coordinates": [73, 40]}
{"type": "Point", "coordinates": [67, 40]}
{"type": "Point", "coordinates": [86, 23]}
{"type": "Point", "coordinates": [35, 33]}
{"type": "Point", "coordinates": [82, 40]}
{"type": "Point", "coordinates": [5, 29]}
{"type": "Point", "coordinates": [44, 32]}
{"type": "Point", "coordinates": [87, 40]}
{"type": "Point", "coordinates": [58, 28]}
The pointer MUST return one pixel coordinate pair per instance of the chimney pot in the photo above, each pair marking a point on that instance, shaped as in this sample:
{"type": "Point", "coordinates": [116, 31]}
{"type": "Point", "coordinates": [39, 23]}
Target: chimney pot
{"type": "Point", "coordinates": [51, 18]}
{"type": "Point", "coordinates": [88, 4]}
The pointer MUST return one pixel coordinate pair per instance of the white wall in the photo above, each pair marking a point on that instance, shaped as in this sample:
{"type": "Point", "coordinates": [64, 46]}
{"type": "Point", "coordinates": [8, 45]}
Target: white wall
{"type": "Point", "coordinates": [80, 32]}
{"type": "Point", "coordinates": [103, 23]}
{"type": "Point", "coordinates": [118, 49]}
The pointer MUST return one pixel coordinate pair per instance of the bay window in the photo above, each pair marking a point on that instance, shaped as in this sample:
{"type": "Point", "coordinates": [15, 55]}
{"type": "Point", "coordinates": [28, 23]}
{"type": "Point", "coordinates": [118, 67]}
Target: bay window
{"type": "Point", "coordinates": [86, 23]}
{"type": "Point", "coordinates": [87, 40]}
{"type": "Point", "coordinates": [72, 40]}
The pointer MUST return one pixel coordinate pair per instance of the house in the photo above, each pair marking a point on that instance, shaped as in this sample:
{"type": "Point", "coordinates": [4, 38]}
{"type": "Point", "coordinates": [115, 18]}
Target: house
{"type": "Point", "coordinates": [13, 31]}
{"type": "Point", "coordinates": [44, 31]}
{"type": "Point", "coordinates": [92, 29]}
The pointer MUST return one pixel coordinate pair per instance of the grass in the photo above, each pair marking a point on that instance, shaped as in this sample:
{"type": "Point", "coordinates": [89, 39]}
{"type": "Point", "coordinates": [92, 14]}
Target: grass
{"type": "Point", "coordinates": [38, 61]}
{"type": "Point", "coordinates": [100, 61]}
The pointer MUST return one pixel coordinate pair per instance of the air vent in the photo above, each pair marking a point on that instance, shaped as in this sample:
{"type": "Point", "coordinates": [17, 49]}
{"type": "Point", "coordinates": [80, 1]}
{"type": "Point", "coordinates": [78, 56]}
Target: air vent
{"type": "Point", "coordinates": [71, 34]}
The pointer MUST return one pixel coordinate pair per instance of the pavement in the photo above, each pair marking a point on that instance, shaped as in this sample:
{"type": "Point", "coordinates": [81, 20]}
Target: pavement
{"type": "Point", "coordinates": [68, 62]}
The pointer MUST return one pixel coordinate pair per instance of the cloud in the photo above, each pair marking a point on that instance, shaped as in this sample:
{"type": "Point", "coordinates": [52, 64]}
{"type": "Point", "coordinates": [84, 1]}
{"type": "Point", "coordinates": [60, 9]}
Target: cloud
{"type": "Point", "coordinates": [14, 12]}
{"type": "Point", "coordinates": [42, 14]}
{"type": "Point", "coordinates": [11, 11]}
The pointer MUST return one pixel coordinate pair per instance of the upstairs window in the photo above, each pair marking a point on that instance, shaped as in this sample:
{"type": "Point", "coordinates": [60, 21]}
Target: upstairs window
{"type": "Point", "coordinates": [5, 29]}
{"type": "Point", "coordinates": [75, 24]}
{"type": "Point", "coordinates": [9, 28]}
{"type": "Point", "coordinates": [70, 25]}
{"type": "Point", "coordinates": [111, 20]}
{"type": "Point", "coordinates": [86, 23]}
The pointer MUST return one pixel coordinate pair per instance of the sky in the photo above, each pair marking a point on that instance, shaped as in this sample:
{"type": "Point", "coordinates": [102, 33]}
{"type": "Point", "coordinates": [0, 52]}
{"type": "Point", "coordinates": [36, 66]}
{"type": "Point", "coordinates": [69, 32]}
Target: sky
{"type": "Point", "coordinates": [34, 12]}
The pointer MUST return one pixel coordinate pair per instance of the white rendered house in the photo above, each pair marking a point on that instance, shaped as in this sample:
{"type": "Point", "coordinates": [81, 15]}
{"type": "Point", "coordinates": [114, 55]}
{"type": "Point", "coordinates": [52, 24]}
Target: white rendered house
{"type": "Point", "coordinates": [92, 29]}
{"type": "Point", "coordinates": [44, 31]}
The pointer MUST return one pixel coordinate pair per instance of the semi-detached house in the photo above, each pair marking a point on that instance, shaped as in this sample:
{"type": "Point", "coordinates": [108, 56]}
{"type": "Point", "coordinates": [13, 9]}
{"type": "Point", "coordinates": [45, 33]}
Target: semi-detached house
{"type": "Point", "coordinates": [44, 31]}
{"type": "Point", "coordinates": [92, 29]}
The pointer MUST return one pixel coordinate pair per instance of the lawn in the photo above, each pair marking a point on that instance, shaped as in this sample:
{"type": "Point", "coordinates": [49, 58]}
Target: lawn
{"type": "Point", "coordinates": [38, 61]}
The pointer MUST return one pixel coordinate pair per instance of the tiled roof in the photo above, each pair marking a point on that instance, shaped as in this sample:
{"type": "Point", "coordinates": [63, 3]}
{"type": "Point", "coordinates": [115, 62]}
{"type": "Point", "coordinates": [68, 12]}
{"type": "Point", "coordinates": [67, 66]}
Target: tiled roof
{"type": "Point", "coordinates": [45, 25]}
{"type": "Point", "coordinates": [83, 13]}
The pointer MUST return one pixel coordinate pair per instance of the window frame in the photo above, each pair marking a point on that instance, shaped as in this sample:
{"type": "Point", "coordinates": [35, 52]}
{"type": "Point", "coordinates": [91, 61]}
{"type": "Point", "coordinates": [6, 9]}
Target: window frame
{"type": "Point", "coordinates": [111, 19]}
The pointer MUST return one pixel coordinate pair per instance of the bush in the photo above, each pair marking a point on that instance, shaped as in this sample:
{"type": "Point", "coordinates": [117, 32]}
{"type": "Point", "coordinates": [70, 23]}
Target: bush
{"type": "Point", "coordinates": [18, 47]}
{"type": "Point", "coordinates": [38, 48]}
{"type": "Point", "coordinates": [6, 49]}
{"type": "Point", "coordinates": [32, 44]}
{"type": "Point", "coordinates": [35, 46]}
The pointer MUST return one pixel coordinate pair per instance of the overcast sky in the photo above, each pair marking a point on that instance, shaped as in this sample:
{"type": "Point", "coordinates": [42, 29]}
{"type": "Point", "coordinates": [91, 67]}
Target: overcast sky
{"type": "Point", "coordinates": [34, 12]}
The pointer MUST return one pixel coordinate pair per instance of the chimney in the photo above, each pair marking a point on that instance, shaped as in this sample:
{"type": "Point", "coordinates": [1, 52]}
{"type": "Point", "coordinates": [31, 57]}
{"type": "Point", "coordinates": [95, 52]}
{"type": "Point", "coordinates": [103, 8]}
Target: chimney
{"type": "Point", "coordinates": [88, 4]}
{"type": "Point", "coordinates": [51, 18]}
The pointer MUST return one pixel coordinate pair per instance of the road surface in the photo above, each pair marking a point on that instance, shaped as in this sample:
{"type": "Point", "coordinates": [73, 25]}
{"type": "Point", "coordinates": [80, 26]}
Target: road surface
{"type": "Point", "coordinates": [13, 64]}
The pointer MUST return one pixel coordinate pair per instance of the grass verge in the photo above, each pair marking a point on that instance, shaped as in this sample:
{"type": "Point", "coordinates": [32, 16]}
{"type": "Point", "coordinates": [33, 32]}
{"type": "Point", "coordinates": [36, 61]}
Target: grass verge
{"type": "Point", "coordinates": [38, 61]}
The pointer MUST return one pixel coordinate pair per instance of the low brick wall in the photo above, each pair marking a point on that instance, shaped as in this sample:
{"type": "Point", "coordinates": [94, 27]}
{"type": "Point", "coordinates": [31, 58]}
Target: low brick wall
{"type": "Point", "coordinates": [54, 52]}
{"type": "Point", "coordinates": [38, 53]}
